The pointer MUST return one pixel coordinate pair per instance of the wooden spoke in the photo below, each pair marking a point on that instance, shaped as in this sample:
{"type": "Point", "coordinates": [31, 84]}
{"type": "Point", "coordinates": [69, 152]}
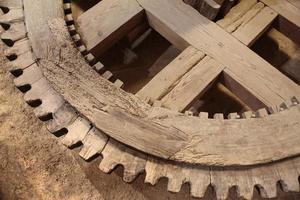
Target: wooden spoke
{"type": "Point", "coordinates": [192, 84]}
{"type": "Point", "coordinates": [289, 9]}
{"type": "Point", "coordinates": [112, 20]}
{"type": "Point", "coordinates": [252, 72]}
{"type": "Point", "coordinates": [162, 83]}
{"type": "Point", "coordinates": [248, 33]}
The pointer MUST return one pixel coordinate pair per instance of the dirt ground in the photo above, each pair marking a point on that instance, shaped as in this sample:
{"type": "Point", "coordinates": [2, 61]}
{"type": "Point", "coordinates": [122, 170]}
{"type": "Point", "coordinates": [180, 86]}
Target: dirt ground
{"type": "Point", "coordinates": [35, 165]}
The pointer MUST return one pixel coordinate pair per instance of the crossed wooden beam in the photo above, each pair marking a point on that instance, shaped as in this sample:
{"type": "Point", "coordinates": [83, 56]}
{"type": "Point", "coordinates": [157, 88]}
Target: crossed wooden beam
{"type": "Point", "coordinates": [216, 50]}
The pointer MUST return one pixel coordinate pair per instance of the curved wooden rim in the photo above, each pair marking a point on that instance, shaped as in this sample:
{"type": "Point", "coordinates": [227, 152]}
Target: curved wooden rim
{"type": "Point", "coordinates": [156, 131]}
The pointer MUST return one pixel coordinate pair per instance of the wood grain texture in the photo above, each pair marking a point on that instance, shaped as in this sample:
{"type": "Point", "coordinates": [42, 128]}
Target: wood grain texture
{"type": "Point", "coordinates": [286, 9]}
{"type": "Point", "coordinates": [192, 84]}
{"type": "Point", "coordinates": [255, 74]}
{"type": "Point", "coordinates": [236, 12]}
{"type": "Point", "coordinates": [38, 30]}
{"type": "Point", "coordinates": [109, 22]}
{"type": "Point", "coordinates": [181, 138]}
{"type": "Point", "coordinates": [162, 83]}
{"type": "Point", "coordinates": [253, 29]}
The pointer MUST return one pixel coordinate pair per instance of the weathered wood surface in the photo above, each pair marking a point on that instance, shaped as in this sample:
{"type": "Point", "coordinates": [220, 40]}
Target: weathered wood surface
{"type": "Point", "coordinates": [192, 84]}
{"type": "Point", "coordinates": [163, 82]}
{"type": "Point", "coordinates": [254, 28]}
{"type": "Point", "coordinates": [107, 22]}
{"type": "Point", "coordinates": [288, 9]}
{"type": "Point", "coordinates": [36, 24]}
{"type": "Point", "coordinates": [256, 75]}
{"type": "Point", "coordinates": [188, 139]}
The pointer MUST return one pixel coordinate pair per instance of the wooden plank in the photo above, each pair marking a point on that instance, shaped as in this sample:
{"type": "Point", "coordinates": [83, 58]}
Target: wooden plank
{"type": "Point", "coordinates": [37, 23]}
{"type": "Point", "coordinates": [252, 30]}
{"type": "Point", "coordinates": [192, 84]}
{"type": "Point", "coordinates": [295, 3]}
{"type": "Point", "coordinates": [164, 80]}
{"type": "Point", "coordinates": [244, 19]}
{"type": "Point", "coordinates": [255, 74]}
{"type": "Point", "coordinates": [286, 9]}
{"type": "Point", "coordinates": [236, 12]}
{"type": "Point", "coordinates": [107, 22]}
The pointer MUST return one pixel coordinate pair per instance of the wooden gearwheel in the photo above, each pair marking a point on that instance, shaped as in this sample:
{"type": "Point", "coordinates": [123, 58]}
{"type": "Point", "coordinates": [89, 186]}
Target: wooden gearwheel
{"type": "Point", "coordinates": [159, 130]}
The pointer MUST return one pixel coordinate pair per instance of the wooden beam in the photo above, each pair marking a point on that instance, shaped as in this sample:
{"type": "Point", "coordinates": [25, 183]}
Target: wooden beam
{"type": "Point", "coordinates": [243, 19]}
{"type": "Point", "coordinates": [107, 22]}
{"type": "Point", "coordinates": [165, 79]}
{"type": "Point", "coordinates": [255, 74]}
{"type": "Point", "coordinates": [38, 30]}
{"type": "Point", "coordinates": [253, 29]}
{"type": "Point", "coordinates": [236, 12]}
{"type": "Point", "coordinates": [286, 9]}
{"type": "Point", "coordinates": [295, 3]}
{"type": "Point", "coordinates": [192, 84]}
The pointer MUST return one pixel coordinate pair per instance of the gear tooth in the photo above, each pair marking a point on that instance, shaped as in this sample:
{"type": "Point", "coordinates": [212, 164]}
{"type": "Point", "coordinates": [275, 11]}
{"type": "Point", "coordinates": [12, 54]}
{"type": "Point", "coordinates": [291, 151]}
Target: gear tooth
{"type": "Point", "coordinates": [69, 18]}
{"type": "Point", "coordinates": [107, 165]}
{"type": "Point", "coordinates": [270, 190]}
{"type": "Point", "coordinates": [153, 173]}
{"type": "Point", "coordinates": [98, 67]}
{"type": "Point", "coordinates": [130, 175]}
{"type": "Point", "coordinates": [133, 168]}
{"type": "Point", "coordinates": [37, 90]}
{"type": "Point", "coordinates": [76, 38]}
{"type": "Point", "coordinates": [29, 76]}
{"type": "Point", "coordinates": [233, 116]}
{"type": "Point", "coordinates": [76, 132]}
{"type": "Point", "coordinates": [203, 115]}
{"type": "Point", "coordinates": [109, 153]}
{"type": "Point", "coordinates": [287, 104]}
{"type": "Point", "coordinates": [219, 116]}
{"type": "Point", "coordinates": [82, 49]}
{"type": "Point", "coordinates": [198, 189]}
{"type": "Point", "coordinates": [273, 109]}
{"type": "Point", "coordinates": [107, 75]}
{"type": "Point", "coordinates": [13, 15]}
{"type": "Point", "coordinates": [118, 83]}
{"type": "Point", "coordinates": [221, 192]}
{"type": "Point", "coordinates": [72, 29]}
{"type": "Point", "coordinates": [23, 61]}
{"type": "Point", "coordinates": [93, 143]}
{"type": "Point", "coordinates": [61, 118]}
{"type": "Point", "coordinates": [247, 115]}
{"type": "Point", "coordinates": [265, 179]}
{"type": "Point", "coordinates": [90, 58]}
{"type": "Point", "coordinates": [17, 31]}
{"type": "Point", "coordinates": [295, 100]}
{"type": "Point", "coordinates": [115, 153]}
{"type": "Point", "coordinates": [244, 190]}
{"type": "Point", "coordinates": [133, 161]}
{"type": "Point", "coordinates": [261, 113]}
{"type": "Point", "coordinates": [19, 47]}
{"type": "Point", "coordinates": [51, 102]}
{"type": "Point", "coordinates": [189, 113]}
{"type": "Point", "coordinates": [67, 7]}
{"type": "Point", "coordinates": [221, 182]}
{"type": "Point", "coordinates": [288, 175]}
{"type": "Point", "coordinates": [175, 183]}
